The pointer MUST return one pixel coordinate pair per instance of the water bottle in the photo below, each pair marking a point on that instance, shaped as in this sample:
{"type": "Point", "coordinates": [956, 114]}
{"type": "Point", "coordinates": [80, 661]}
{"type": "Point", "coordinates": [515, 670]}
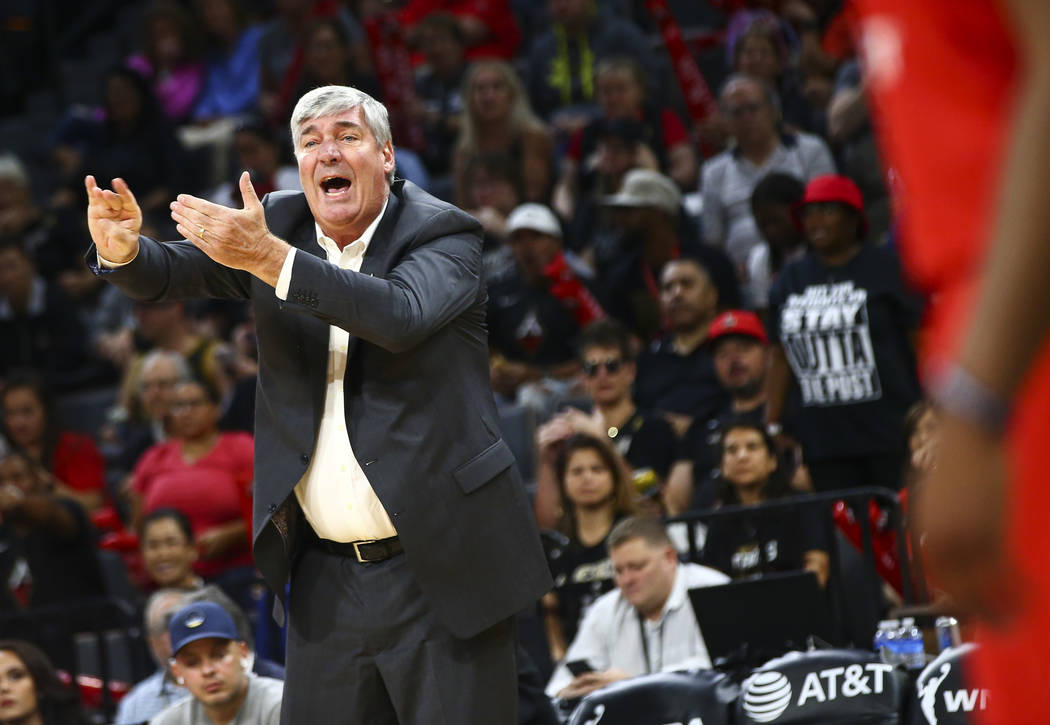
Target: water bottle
{"type": "Point", "coordinates": [887, 641]}
{"type": "Point", "coordinates": [948, 633]}
{"type": "Point", "coordinates": [912, 647]}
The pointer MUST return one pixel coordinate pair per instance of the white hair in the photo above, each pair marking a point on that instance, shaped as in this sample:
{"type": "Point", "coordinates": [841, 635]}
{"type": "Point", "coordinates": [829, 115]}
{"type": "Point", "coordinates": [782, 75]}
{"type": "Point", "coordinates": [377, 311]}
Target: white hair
{"type": "Point", "coordinates": [182, 368]}
{"type": "Point", "coordinates": [11, 169]}
{"type": "Point", "coordinates": [331, 100]}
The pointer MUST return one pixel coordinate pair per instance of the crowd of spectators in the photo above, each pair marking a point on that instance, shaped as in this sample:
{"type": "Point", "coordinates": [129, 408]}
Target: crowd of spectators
{"type": "Point", "coordinates": [692, 310]}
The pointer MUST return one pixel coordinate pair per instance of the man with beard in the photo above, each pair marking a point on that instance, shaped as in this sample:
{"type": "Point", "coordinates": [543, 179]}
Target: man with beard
{"type": "Point", "coordinates": [740, 350]}
{"type": "Point", "coordinates": [654, 232]}
{"type": "Point", "coordinates": [676, 374]}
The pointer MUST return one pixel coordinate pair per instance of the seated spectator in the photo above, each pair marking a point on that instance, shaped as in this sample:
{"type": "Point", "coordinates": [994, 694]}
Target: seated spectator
{"type": "Point", "coordinates": [619, 147]}
{"type": "Point", "coordinates": [166, 326]}
{"type": "Point", "coordinates": [759, 44]}
{"type": "Point", "coordinates": [843, 324]}
{"type": "Point", "coordinates": [329, 59]}
{"type": "Point", "coordinates": [132, 437]}
{"type": "Point", "coordinates": [169, 59]}
{"type": "Point", "coordinates": [562, 61]}
{"type": "Point", "coordinates": [49, 555]}
{"type": "Point", "coordinates": [498, 118]}
{"type": "Point", "coordinates": [536, 313]}
{"type": "Point", "coordinates": [258, 149]}
{"type": "Point", "coordinates": [231, 81]}
{"type": "Point", "coordinates": [282, 50]}
{"type": "Point", "coordinates": [768, 541]}
{"type": "Point", "coordinates": [647, 623]}
{"type": "Point", "coordinates": [648, 209]}
{"type": "Point", "coordinates": [212, 661]}
{"type": "Point", "coordinates": [39, 325]}
{"type": "Point", "coordinates": [772, 204]}
{"type": "Point", "coordinates": [492, 188]}
{"type": "Point", "coordinates": [51, 239]}
{"type": "Point", "coordinates": [643, 442]}
{"type": "Point", "coordinates": [33, 693]}
{"type": "Point", "coordinates": [595, 493]}
{"type": "Point", "coordinates": [133, 141]}
{"type": "Point", "coordinates": [761, 146]}
{"type": "Point", "coordinates": [158, 691]}
{"type": "Point", "coordinates": [438, 86]}
{"type": "Point", "coordinates": [72, 461]}
{"type": "Point", "coordinates": [488, 26]}
{"type": "Point", "coordinates": [623, 95]}
{"type": "Point", "coordinates": [168, 549]}
{"type": "Point", "coordinates": [676, 374]}
{"type": "Point", "coordinates": [204, 473]}
{"type": "Point", "coordinates": [740, 350]}
{"type": "Point", "coordinates": [922, 431]}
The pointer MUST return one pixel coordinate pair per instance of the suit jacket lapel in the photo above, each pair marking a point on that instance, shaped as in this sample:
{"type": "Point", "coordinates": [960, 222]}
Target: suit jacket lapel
{"type": "Point", "coordinates": [379, 257]}
{"type": "Point", "coordinates": [312, 332]}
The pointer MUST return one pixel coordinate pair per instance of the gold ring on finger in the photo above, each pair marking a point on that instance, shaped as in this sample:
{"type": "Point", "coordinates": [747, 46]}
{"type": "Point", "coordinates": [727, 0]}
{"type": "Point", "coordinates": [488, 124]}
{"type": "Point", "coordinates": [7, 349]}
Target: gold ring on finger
{"type": "Point", "coordinates": [200, 233]}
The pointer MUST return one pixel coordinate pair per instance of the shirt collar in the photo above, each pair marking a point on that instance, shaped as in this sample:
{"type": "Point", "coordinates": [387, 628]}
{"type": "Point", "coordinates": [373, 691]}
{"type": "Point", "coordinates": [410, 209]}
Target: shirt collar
{"type": "Point", "coordinates": [677, 598]}
{"type": "Point", "coordinates": [331, 248]}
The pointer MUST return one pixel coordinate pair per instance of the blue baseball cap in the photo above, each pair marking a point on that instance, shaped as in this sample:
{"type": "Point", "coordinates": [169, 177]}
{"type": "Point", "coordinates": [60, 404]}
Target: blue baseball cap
{"type": "Point", "coordinates": [199, 621]}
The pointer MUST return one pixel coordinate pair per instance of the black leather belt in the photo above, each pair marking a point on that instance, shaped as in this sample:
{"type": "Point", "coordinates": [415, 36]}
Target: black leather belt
{"type": "Point", "coordinates": [363, 551]}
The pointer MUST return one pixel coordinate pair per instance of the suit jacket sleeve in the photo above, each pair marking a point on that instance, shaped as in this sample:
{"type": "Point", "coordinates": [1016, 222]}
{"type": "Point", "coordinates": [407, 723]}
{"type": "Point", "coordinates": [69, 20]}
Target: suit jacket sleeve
{"type": "Point", "coordinates": [173, 271]}
{"type": "Point", "coordinates": [437, 279]}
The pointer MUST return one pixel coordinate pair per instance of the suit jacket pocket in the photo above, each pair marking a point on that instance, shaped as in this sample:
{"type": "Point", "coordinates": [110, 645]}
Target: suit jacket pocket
{"type": "Point", "coordinates": [483, 467]}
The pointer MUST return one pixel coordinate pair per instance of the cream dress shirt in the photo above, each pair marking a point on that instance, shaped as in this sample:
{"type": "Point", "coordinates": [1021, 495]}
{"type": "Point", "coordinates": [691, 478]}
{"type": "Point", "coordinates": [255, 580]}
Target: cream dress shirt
{"type": "Point", "coordinates": [334, 493]}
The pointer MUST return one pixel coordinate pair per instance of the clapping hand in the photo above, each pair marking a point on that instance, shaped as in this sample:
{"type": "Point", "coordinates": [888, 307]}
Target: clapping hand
{"type": "Point", "coordinates": [235, 238]}
{"type": "Point", "coordinates": [114, 220]}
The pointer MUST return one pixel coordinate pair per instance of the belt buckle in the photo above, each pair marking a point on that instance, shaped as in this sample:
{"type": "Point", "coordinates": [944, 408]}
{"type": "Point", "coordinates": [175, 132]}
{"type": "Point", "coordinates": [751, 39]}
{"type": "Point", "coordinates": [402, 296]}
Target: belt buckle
{"type": "Point", "coordinates": [357, 550]}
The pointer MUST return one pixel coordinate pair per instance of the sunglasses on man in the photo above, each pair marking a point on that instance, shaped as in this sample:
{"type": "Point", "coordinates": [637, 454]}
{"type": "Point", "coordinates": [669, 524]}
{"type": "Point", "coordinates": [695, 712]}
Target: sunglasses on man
{"type": "Point", "coordinates": [612, 366]}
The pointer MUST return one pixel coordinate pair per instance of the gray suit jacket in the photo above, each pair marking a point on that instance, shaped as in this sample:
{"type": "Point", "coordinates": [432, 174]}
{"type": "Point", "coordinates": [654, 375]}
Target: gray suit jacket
{"type": "Point", "coordinates": [419, 407]}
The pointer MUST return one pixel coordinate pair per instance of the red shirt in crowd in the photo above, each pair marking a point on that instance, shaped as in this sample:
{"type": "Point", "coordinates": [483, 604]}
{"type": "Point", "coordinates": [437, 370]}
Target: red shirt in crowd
{"type": "Point", "coordinates": [210, 491]}
{"type": "Point", "coordinates": [78, 463]}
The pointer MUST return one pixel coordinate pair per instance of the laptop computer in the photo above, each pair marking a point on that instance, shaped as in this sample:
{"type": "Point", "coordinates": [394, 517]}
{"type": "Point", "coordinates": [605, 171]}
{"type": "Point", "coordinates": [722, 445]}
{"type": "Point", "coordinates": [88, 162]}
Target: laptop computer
{"type": "Point", "coordinates": [757, 617]}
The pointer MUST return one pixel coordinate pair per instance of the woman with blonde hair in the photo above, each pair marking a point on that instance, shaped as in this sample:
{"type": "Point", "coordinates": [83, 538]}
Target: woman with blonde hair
{"type": "Point", "coordinates": [498, 118]}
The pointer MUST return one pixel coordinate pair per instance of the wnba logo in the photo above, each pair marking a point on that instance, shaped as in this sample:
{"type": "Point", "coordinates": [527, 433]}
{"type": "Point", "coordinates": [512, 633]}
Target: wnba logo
{"type": "Point", "coordinates": [766, 696]}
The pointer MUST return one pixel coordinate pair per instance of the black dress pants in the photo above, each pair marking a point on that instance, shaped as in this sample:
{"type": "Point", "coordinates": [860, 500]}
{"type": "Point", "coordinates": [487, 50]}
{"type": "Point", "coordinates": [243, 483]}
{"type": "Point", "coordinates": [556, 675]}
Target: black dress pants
{"type": "Point", "coordinates": [364, 648]}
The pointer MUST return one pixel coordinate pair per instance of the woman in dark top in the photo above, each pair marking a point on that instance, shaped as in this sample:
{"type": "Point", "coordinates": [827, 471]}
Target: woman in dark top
{"type": "Point", "coordinates": [768, 541]}
{"type": "Point", "coordinates": [842, 325]}
{"type": "Point", "coordinates": [32, 692]}
{"type": "Point", "coordinates": [50, 553]}
{"type": "Point", "coordinates": [595, 493]}
{"type": "Point", "coordinates": [133, 141]}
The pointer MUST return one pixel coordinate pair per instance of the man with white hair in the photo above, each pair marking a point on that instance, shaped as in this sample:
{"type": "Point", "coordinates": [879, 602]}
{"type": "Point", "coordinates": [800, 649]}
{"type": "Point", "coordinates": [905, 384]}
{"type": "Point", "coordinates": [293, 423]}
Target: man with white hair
{"type": "Point", "coordinates": [761, 145]}
{"type": "Point", "coordinates": [382, 482]}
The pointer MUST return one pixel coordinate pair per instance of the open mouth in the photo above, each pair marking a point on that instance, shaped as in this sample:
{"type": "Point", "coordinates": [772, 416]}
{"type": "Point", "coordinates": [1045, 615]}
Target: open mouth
{"type": "Point", "coordinates": [335, 185]}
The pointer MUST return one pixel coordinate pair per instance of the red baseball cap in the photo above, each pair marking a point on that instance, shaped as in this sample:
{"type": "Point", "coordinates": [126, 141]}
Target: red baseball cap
{"type": "Point", "coordinates": [836, 188]}
{"type": "Point", "coordinates": [738, 322]}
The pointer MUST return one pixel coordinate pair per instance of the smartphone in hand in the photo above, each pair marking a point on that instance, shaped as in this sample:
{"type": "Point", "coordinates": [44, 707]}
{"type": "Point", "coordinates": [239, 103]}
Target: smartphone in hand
{"type": "Point", "coordinates": [579, 667]}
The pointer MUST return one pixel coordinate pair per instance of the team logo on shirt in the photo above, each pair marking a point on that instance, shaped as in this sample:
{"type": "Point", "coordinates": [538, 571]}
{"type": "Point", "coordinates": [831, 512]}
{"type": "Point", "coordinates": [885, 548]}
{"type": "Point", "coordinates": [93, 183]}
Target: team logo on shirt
{"type": "Point", "coordinates": [827, 340]}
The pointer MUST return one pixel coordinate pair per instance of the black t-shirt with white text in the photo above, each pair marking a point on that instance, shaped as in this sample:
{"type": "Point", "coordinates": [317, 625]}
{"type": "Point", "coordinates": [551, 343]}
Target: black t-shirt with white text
{"type": "Point", "coordinates": [764, 541]}
{"type": "Point", "coordinates": [846, 333]}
